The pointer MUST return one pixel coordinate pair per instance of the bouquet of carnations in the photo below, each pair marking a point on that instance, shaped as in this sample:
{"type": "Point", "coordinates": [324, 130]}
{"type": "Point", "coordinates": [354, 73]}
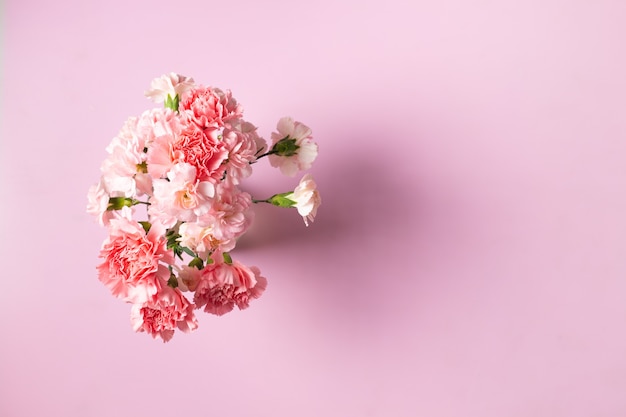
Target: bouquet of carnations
{"type": "Point", "coordinates": [170, 200]}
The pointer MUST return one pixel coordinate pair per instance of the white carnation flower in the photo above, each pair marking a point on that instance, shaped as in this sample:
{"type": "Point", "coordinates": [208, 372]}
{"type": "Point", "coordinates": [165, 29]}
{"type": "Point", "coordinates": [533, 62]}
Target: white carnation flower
{"type": "Point", "coordinates": [307, 199]}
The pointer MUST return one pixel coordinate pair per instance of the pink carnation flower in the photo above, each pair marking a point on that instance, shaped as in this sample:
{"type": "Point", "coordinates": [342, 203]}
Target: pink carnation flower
{"type": "Point", "coordinates": [98, 204]}
{"type": "Point", "coordinates": [163, 124]}
{"type": "Point", "coordinates": [307, 198]}
{"type": "Point", "coordinates": [242, 143]}
{"type": "Point", "coordinates": [203, 150]}
{"type": "Point", "coordinates": [131, 267]}
{"type": "Point", "coordinates": [163, 314]}
{"type": "Point", "coordinates": [198, 236]}
{"type": "Point", "coordinates": [122, 170]}
{"type": "Point", "coordinates": [222, 286]}
{"type": "Point", "coordinates": [219, 229]}
{"type": "Point", "coordinates": [188, 277]}
{"type": "Point", "coordinates": [180, 197]}
{"type": "Point", "coordinates": [231, 215]}
{"type": "Point", "coordinates": [171, 84]}
{"type": "Point", "coordinates": [303, 157]}
{"type": "Point", "coordinates": [195, 146]}
{"type": "Point", "coordinates": [209, 107]}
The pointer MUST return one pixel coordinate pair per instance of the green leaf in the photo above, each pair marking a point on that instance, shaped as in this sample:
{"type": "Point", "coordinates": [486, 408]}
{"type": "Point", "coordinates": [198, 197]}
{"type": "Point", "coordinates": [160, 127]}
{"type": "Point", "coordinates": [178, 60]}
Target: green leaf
{"type": "Point", "coordinates": [187, 251]}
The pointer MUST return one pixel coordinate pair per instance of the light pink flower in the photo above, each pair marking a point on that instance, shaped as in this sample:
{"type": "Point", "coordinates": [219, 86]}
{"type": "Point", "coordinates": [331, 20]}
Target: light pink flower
{"type": "Point", "coordinates": [171, 84]}
{"type": "Point", "coordinates": [129, 136]}
{"type": "Point", "coordinates": [159, 129]}
{"type": "Point", "coordinates": [161, 156]}
{"type": "Point", "coordinates": [222, 286]}
{"type": "Point", "coordinates": [231, 216]}
{"type": "Point", "coordinates": [158, 123]}
{"type": "Point", "coordinates": [123, 170]}
{"type": "Point", "coordinates": [131, 267]}
{"type": "Point", "coordinates": [252, 286]}
{"type": "Point", "coordinates": [307, 198]}
{"type": "Point", "coordinates": [210, 107]}
{"type": "Point", "coordinates": [199, 237]}
{"type": "Point", "coordinates": [98, 203]}
{"type": "Point", "coordinates": [162, 315]}
{"type": "Point", "coordinates": [188, 278]}
{"type": "Point", "coordinates": [180, 197]}
{"type": "Point", "coordinates": [303, 157]}
{"type": "Point", "coordinates": [242, 143]}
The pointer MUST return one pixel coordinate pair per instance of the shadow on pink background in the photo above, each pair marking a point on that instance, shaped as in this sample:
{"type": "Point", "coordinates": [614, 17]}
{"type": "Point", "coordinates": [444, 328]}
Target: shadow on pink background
{"type": "Point", "coordinates": [469, 255]}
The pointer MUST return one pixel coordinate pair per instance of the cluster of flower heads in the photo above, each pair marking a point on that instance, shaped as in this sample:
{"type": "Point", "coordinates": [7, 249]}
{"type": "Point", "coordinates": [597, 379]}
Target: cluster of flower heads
{"type": "Point", "coordinates": [182, 163]}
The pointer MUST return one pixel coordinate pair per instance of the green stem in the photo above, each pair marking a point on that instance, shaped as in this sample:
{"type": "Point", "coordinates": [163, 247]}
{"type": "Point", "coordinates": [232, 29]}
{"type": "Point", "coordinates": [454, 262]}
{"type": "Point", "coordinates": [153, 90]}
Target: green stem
{"type": "Point", "coordinates": [272, 152]}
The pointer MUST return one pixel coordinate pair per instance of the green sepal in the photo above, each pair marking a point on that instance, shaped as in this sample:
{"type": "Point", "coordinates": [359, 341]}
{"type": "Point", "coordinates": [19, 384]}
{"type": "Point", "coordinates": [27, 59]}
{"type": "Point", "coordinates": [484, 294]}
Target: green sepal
{"type": "Point", "coordinates": [172, 282]}
{"type": "Point", "coordinates": [197, 263]}
{"type": "Point", "coordinates": [172, 238]}
{"type": "Point", "coordinates": [172, 103]}
{"type": "Point", "coordinates": [117, 203]}
{"type": "Point", "coordinates": [281, 200]}
{"type": "Point", "coordinates": [146, 226]}
{"type": "Point", "coordinates": [227, 258]}
{"type": "Point", "coordinates": [172, 243]}
{"type": "Point", "coordinates": [285, 147]}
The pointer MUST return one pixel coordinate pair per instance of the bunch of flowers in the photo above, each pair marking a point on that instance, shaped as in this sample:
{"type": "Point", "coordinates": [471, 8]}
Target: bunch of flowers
{"type": "Point", "coordinates": [177, 168]}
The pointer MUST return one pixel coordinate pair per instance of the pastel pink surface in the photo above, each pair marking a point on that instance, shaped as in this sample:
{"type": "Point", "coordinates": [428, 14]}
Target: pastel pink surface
{"type": "Point", "coordinates": [468, 258]}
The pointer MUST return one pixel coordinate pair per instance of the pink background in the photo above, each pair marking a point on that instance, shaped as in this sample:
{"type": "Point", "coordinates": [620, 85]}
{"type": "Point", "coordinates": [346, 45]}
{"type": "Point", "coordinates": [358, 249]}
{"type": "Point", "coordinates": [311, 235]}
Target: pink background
{"type": "Point", "coordinates": [469, 255]}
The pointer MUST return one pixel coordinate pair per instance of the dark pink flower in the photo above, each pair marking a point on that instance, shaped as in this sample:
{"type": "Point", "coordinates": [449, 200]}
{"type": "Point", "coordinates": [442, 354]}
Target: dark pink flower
{"type": "Point", "coordinates": [209, 107]}
{"type": "Point", "coordinates": [242, 143]}
{"type": "Point", "coordinates": [161, 316]}
{"type": "Point", "coordinates": [131, 267]}
{"type": "Point", "coordinates": [223, 285]}
{"type": "Point", "coordinates": [202, 149]}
